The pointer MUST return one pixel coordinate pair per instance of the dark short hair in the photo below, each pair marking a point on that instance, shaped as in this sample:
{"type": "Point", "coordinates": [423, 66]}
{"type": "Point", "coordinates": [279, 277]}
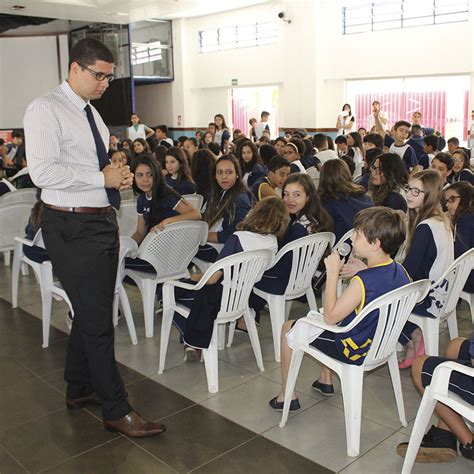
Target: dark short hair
{"type": "Point", "coordinates": [162, 128]}
{"type": "Point", "coordinates": [382, 223]}
{"type": "Point", "coordinates": [264, 112]}
{"type": "Point", "coordinates": [432, 141]}
{"type": "Point", "coordinates": [401, 123]}
{"type": "Point", "coordinates": [375, 139]}
{"type": "Point", "coordinates": [278, 162]}
{"type": "Point", "coordinates": [214, 147]}
{"type": "Point", "coordinates": [340, 139]}
{"type": "Point", "coordinates": [192, 140]}
{"type": "Point", "coordinates": [280, 139]}
{"type": "Point", "coordinates": [416, 129]}
{"type": "Point", "coordinates": [17, 134]}
{"type": "Point", "coordinates": [445, 158]}
{"type": "Point", "coordinates": [320, 140]}
{"type": "Point", "coordinates": [89, 50]}
{"type": "Point", "coordinates": [349, 161]}
{"type": "Point", "coordinates": [454, 140]}
{"type": "Point", "coordinates": [372, 154]}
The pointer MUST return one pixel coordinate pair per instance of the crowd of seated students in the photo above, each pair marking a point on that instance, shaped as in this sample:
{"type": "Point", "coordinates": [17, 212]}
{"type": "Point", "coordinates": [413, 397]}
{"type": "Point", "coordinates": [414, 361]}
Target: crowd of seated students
{"type": "Point", "coordinates": [403, 176]}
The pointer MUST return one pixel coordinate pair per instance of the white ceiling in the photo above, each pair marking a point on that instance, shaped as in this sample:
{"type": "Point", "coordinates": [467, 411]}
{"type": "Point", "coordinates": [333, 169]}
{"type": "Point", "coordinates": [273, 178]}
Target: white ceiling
{"type": "Point", "coordinates": [122, 11]}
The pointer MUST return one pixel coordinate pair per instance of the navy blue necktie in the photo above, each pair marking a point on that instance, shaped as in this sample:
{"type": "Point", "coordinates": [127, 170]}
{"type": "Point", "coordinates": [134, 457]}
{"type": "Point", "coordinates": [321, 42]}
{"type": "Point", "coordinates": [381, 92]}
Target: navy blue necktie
{"type": "Point", "coordinates": [112, 194]}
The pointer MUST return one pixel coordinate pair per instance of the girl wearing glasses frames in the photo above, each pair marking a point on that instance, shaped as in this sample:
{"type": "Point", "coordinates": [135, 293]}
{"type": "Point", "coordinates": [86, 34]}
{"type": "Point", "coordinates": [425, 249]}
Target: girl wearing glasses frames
{"type": "Point", "coordinates": [459, 198]}
{"type": "Point", "coordinates": [461, 171]}
{"type": "Point", "coordinates": [387, 178]}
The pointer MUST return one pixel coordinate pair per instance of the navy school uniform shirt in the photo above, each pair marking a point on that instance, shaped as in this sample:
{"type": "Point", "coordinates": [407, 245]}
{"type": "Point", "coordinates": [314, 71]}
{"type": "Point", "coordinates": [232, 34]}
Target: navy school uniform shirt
{"type": "Point", "coordinates": [374, 281]}
{"type": "Point", "coordinates": [257, 188]}
{"type": "Point", "coordinates": [181, 187]}
{"type": "Point", "coordinates": [343, 211]}
{"type": "Point", "coordinates": [227, 228]}
{"type": "Point", "coordinates": [166, 207]}
{"type": "Point", "coordinates": [256, 174]}
{"type": "Point", "coordinates": [395, 201]}
{"type": "Point", "coordinates": [363, 180]}
{"type": "Point", "coordinates": [464, 241]}
{"type": "Point", "coordinates": [417, 144]}
{"type": "Point", "coordinates": [309, 161]}
{"type": "Point", "coordinates": [464, 175]}
{"type": "Point", "coordinates": [406, 153]}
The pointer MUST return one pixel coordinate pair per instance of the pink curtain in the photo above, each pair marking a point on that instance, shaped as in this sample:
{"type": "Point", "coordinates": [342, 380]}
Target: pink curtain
{"type": "Point", "coordinates": [401, 105]}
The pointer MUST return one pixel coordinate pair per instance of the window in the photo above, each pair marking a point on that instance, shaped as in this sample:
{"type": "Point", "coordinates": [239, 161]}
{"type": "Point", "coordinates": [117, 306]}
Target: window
{"type": "Point", "coordinates": [238, 36]}
{"type": "Point", "coordinates": [387, 15]}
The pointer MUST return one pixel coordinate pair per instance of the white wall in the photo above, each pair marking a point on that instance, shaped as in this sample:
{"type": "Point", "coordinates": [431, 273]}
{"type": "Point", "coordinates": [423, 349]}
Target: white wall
{"type": "Point", "coordinates": [310, 62]}
{"type": "Point", "coordinates": [29, 67]}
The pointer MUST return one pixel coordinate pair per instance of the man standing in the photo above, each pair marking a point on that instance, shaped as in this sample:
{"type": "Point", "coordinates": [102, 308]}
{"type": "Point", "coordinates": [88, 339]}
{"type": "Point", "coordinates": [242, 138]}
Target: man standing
{"type": "Point", "coordinates": [378, 119]}
{"type": "Point", "coordinates": [67, 159]}
{"type": "Point", "coordinates": [262, 126]}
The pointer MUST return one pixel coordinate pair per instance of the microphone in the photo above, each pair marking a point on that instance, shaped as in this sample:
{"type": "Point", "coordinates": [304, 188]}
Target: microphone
{"type": "Point", "coordinates": [344, 250]}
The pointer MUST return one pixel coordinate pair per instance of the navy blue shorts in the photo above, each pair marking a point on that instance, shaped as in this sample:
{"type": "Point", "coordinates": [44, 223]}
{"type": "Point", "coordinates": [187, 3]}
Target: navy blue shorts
{"type": "Point", "coordinates": [460, 384]}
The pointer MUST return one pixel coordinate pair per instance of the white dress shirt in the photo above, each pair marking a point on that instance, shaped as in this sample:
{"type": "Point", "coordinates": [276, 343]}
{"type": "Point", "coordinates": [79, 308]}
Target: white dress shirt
{"type": "Point", "coordinates": [60, 149]}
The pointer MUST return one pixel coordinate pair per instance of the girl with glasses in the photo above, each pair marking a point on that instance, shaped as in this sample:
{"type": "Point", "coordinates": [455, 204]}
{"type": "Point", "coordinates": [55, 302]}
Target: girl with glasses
{"type": "Point", "coordinates": [459, 199]}
{"type": "Point", "coordinates": [387, 179]}
{"type": "Point", "coordinates": [461, 171]}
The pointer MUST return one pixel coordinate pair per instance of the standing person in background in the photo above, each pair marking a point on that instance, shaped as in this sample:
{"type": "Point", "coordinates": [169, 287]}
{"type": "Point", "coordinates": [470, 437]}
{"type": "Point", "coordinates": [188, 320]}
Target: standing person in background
{"type": "Point", "coordinates": [470, 141]}
{"type": "Point", "coordinates": [345, 120]}
{"type": "Point", "coordinates": [222, 135]}
{"type": "Point", "coordinates": [378, 119]}
{"type": "Point", "coordinates": [262, 126]}
{"type": "Point", "coordinates": [252, 123]}
{"type": "Point", "coordinates": [138, 129]}
{"type": "Point", "coordinates": [67, 157]}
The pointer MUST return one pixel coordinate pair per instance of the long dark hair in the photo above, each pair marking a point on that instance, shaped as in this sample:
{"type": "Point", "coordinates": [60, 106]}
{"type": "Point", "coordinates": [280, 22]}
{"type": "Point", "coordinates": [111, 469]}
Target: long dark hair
{"type": "Point", "coordinates": [223, 126]}
{"type": "Point", "coordinates": [247, 167]}
{"type": "Point", "coordinates": [335, 182]}
{"type": "Point", "coordinates": [221, 202]}
{"type": "Point", "coordinates": [320, 220]}
{"type": "Point", "coordinates": [159, 190]}
{"type": "Point", "coordinates": [202, 169]}
{"type": "Point", "coordinates": [395, 177]}
{"type": "Point", "coordinates": [357, 142]}
{"type": "Point", "coordinates": [184, 173]}
{"type": "Point", "coordinates": [466, 201]}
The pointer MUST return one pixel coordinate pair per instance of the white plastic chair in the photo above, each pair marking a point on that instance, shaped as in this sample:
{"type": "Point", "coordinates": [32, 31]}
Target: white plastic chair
{"type": "Point", "coordinates": [169, 252]}
{"type": "Point", "coordinates": [49, 288]}
{"type": "Point", "coordinates": [394, 309]}
{"type": "Point", "coordinates": [20, 195]}
{"type": "Point", "coordinates": [195, 200]}
{"type": "Point", "coordinates": [313, 173]}
{"type": "Point", "coordinates": [307, 253]}
{"type": "Point", "coordinates": [469, 299]}
{"type": "Point", "coordinates": [13, 219]}
{"type": "Point", "coordinates": [437, 391]}
{"type": "Point", "coordinates": [240, 273]}
{"type": "Point", "coordinates": [127, 218]}
{"type": "Point", "coordinates": [456, 275]}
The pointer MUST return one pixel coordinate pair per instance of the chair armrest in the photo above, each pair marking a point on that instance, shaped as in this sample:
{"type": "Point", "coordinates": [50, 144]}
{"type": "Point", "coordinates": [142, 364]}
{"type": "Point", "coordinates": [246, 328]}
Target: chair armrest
{"type": "Point", "coordinates": [130, 245]}
{"type": "Point", "coordinates": [442, 373]}
{"type": "Point", "coordinates": [24, 241]}
{"type": "Point", "coordinates": [317, 320]}
{"type": "Point", "coordinates": [182, 284]}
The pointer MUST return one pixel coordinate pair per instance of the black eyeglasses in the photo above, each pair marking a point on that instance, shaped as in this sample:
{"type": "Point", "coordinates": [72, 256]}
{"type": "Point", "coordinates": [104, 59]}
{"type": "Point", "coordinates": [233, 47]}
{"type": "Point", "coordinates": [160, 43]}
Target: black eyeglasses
{"type": "Point", "coordinates": [100, 76]}
{"type": "Point", "coordinates": [414, 191]}
{"type": "Point", "coordinates": [375, 169]}
{"type": "Point", "coordinates": [451, 199]}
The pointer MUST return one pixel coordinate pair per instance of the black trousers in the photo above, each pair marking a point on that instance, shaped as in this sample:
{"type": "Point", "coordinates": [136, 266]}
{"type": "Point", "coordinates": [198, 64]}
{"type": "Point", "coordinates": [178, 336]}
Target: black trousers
{"type": "Point", "coordinates": [84, 254]}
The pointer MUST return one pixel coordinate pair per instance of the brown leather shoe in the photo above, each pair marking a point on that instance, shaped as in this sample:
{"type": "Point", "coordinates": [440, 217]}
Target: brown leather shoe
{"type": "Point", "coordinates": [134, 425]}
{"type": "Point", "coordinates": [78, 403]}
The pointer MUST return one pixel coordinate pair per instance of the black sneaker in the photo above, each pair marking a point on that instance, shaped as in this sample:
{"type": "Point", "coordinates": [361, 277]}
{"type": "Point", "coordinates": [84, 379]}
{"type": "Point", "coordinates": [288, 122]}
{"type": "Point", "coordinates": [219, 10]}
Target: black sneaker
{"type": "Point", "coordinates": [467, 450]}
{"type": "Point", "coordinates": [324, 388]}
{"type": "Point", "coordinates": [437, 445]}
{"type": "Point", "coordinates": [278, 406]}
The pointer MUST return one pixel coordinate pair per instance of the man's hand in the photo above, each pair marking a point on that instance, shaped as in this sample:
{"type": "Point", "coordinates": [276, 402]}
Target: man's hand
{"type": "Point", "coordinates": [117, 178]}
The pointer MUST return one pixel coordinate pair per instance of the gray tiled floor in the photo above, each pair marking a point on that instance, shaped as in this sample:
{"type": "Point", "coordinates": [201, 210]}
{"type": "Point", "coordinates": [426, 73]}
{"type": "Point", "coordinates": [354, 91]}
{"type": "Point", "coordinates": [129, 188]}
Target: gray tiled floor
{"type": "Point", "coordinates": [317, 432]}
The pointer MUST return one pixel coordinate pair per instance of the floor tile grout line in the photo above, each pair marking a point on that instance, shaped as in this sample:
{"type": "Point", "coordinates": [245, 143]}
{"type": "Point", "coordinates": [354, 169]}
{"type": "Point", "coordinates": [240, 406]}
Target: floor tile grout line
{"type": "Point", "coordinates": [81, 453]}
{"type": "Point", "coordinates": [226, 452]}
{"type": "Point", "coordinates": [44, 415]}
{"type": "Point", "coordinates": [14, 458]}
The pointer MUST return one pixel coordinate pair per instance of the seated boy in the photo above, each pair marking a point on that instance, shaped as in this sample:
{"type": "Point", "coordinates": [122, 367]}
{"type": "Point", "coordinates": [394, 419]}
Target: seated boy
{"type": "Point", "coordinates": [341, 144]}
{"type": "Point", "coordinates": [430, 148]}
{"type": "Point", "coordinates": [401, 147]}
{"type": "Point", "coordinates": [440, 442]}
{"type": "Point", "coordinates": [443, 163]}
{"type": "Point", "coordinates": [278, 171]}
{"type": "Point", "coordinates": [378, 232]}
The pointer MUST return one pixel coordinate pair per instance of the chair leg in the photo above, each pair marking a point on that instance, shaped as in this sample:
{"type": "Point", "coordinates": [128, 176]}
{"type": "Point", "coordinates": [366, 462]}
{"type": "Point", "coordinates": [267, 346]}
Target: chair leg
{"type": "Point", "coordinates": [148, 290]}
{"type": "Point", "coordinates": [397, 387]}
{"type": "Point", "coordinates": [276, 306]}
{"type": "Point", "coordinates": [17, 255]}
{"type": "Point", "coordinates": [295, 364]}
{"type": "Point", "coordinates": [430, 329]}
{"type": "Point", "coordinates": [6, 257]}
{"type": "Point", "coordinates": [46, 301]}
{"type": "Point", "coordinates": [24, 269]}
{"type": "Point", "coordinates": [313, 305]}
{"type": "Point", "coordinates": [423, 417]}
{"type": "Point", "coordinates": [115, 309]}
{"type": "Point", "coordinates": [211, 362]}
{"type": "Point", "coordinates": [254, 340]}
{"type": "Point", "coordinates": [127, 312]}
{"type": "Point", "coordinates": [352, 380]}
{"type": "Point", "coordinates": [221, 333]}
{"type": "Point", "coordinates": [168, 312]}
{"type": "Point", "coordinates": [452, 325]}
{"type": "Point", "coordinates": [230, 337]}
